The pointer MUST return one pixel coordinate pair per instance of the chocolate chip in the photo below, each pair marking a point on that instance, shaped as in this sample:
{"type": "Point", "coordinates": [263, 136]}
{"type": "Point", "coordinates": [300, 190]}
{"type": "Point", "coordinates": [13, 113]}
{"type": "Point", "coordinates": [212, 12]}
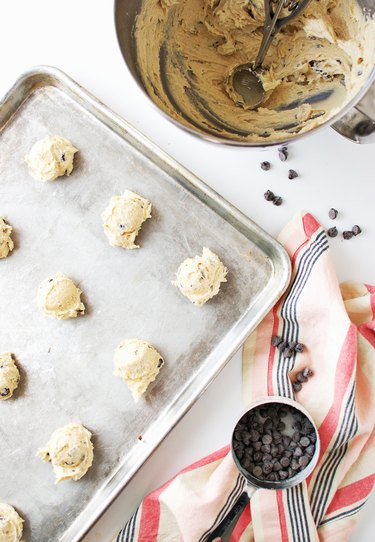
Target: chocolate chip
{"type": "Point", "coordinates": [296, 436]}
{"type": "Point", "coordinates": [266, 439]}
{"type": "Point", "coordinates": [257, 446]}
{"type": "Point", "coordinates": [332, 232]}
{"type": "Point", "coordinates": [63, 157]}
{"type": "Point", "coordinates": [304, 461]}
{"type": "Point", "coordinates": [275, 341]}
{"type": "Point", "coordinates": [305, 441]}
{"type": "Point", "coordinates": [283, 154]}
{"type": "Point", "coordinates": [292, 345]}
{"type": "Point", "coordinates": [277, 201]}
{"type": "Point", "coordinates": [333, 213]}
{"type": "Point", "coordinates": [258, 456]}
{"type": "Point", "coordinates": [347, 234]}
{"type": "Point", "coordinates": [298, 452]}
{"type": "Point", "coordinates": [310, 450]}
{"type": "Point", "coordinates": [160, 363]}
{"type": "Point", "coordinates": [281, 346]}
{"type": "Point", "coordinates": [254, 435]}
{"type": "Point", "coordinates": [301, 378]}
{"type": "Point", "coordinates": [4, 392]}
{"type": "Point", "coordinates": [284, 462]}
{"type": "Point", "coordinates": [265, 166]}
{"type": "Point", "coordinates": [299, 347]}
{"type": "Point", "coordinates": [267, 467]}
{"type": "Point", "coordinates": [269, 196]}
{"type": "Point", "coordinates": [288, 353]}
{"type": "Point", "coordinates": [283, 475]}
{"type": "Point", "coordinates": [356, 230]}
{"type": "Point", "coordinates": [266, 448]}
{"type": "Point", "coordinates": [257, 471]}
{"type": "Point", "coordinates": [292, 174]}
{"type": "Point", "coordinates": [297, 386]}
{"type": "Point", "coordinates": [277, 466]}
{"type": "Point", "coordinates": [307, 372]}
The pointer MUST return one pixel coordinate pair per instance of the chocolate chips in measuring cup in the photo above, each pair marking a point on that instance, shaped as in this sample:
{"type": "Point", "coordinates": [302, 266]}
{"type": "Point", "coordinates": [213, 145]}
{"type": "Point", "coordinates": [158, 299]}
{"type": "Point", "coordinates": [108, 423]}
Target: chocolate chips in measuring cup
{"type": "Point", "coordinates": [274, 442]}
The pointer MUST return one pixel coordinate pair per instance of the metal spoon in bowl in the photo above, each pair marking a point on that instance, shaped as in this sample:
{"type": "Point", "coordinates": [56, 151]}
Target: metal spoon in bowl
{"type": "Point", "coordinates": [244, 79]}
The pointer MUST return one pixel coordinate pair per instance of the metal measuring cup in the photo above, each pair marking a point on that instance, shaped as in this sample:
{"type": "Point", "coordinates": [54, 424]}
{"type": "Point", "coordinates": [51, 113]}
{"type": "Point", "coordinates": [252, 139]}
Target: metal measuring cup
{"type": "Point", "coordinates": [225, 528]}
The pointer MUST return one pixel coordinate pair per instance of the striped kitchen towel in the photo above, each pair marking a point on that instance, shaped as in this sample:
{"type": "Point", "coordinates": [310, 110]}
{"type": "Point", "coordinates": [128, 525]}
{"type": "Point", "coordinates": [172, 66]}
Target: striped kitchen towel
{"type": "Point", "coordinates": [337, 325]}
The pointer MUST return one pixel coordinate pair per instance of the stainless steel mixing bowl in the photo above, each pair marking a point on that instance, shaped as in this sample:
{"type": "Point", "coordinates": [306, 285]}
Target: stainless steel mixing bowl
{"type": "Point", "coordinates": [356, 120]}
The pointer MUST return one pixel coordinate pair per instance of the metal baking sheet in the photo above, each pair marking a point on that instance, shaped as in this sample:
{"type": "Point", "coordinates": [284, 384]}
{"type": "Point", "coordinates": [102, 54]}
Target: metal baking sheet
{"type": "Point", "coordinates": [66, 366]}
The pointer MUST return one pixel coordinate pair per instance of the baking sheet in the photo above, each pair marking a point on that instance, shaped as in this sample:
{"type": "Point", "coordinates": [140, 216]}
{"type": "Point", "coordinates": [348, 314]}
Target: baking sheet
{"type": "Point", "coordinates": [66, 366]}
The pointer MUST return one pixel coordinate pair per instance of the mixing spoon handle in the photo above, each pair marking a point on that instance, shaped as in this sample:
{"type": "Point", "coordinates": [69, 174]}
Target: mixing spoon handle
{"type": "Point", "coordinates": [269, 30]}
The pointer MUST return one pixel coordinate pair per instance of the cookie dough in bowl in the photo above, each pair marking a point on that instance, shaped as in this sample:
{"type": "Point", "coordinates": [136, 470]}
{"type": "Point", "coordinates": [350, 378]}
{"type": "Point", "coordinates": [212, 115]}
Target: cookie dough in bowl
{"type": "Point", "coordinates": [50, 158]}
{"type": "Point", "coordinates": [70, 451]}
{"type": "Point", "coordinates": [187, 50]}
{"type": "Point", "coordinates": [199, 278]}
{"type": "Point", "coordinates": [6, 242]}
{"type": "Point", "coordinates": [11, 524]}
{"type": "Point", "coordinates": [9, 377]}
{"type": "Point", "coordinates": [60, 298]}
{"type": "Point", "coordinates": [123, 218]}
{"type": "Point", "coordinates": [138, 363]}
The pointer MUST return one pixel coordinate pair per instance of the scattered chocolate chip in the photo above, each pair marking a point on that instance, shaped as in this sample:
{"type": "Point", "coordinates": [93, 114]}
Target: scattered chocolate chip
{"type": "Point", "coordinates": [333, 213]}
{"type": "Point", "coordinates": [281, 346]}
{"type": "Point", "coordinates": [299, 347]}
{"type": "Point", "coordinates": [356, 230]}
{"type": "Point", "coordinates": [283, 154]}
{"type": "Point", "coordinates": [275, 341]}
{"type": "Point", "coordinates": [347, 234]}
{"type": "Point", "coordinates": [269, 196]}
{"type": "Point", "coordinates": [288, 353]}
{"type": "Point", "coordinates": [332, 232]}
{"type": "Point", "coordinates": [301, 378]}
{"type": "Point", "coordinates": [265, 166]}
{"type": "Point", "coordinates": [292, 345]}
{"type": "Point", "coordinates": [307, 372]}
{"type": "Point", "coordinates": [277, 201]}
{"type": "Point", "coordinates": [292, 174]}
{"type": "Point", "coordinates": [140, 437]}
{"type": "Point", "coordinates": [297, 386]}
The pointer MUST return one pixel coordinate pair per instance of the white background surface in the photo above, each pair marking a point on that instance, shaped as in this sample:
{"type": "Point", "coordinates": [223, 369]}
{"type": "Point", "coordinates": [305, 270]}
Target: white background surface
{"type": "Point", "coordinates": [78, 36]}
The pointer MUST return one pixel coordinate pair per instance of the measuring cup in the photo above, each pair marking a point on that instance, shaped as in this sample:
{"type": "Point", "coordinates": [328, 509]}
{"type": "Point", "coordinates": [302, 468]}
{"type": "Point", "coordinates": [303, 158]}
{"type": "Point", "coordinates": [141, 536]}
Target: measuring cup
{"type": "Point", "coordinates": [225, 528]}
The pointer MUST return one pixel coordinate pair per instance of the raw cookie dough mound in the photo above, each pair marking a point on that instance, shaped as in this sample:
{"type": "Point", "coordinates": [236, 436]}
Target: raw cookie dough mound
{"type": "Point", "coordinates": [6, 243]}
{"type": "Point", "coordinates": [124, 217]}
{"type": "Point", "coordinates": [138, 363]}
{"type": "Point", "coordinates": [50, 158]}
{"type": "Point", "coordinates": [199, 278]}
{"type": "Point", "coordinates": [70, 451]}
{"type": "Point", "coordinates": [9, 378]}
{"type": "Point", "coordinates": [10, 524]}
{"type": "Point", "coordinates": [60, 298]}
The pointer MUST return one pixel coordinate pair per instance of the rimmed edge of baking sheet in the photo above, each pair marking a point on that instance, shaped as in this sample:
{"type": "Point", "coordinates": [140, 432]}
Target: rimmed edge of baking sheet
{"type": "Point", "coordinates": [42, 76]}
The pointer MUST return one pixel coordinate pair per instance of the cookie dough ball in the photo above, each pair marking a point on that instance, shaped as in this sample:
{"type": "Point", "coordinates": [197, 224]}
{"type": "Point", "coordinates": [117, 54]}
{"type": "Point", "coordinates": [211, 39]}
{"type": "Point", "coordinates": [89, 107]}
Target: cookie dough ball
{"type": "Point", "coordinates": [9, 377]}
{"type": "Point", "coordinates": [70, 451]}
{"type": "Point", "coordinates": [6, 243]}
{"type": "Point", "coordinates": [60, 298]}
{"type": "Point", "coordinates": [138, 363]}
{"type": "Point", "coordinates": [199, 278]}
{"type": "Point", "coordinates": [50, 158]}
{"type": "Point", "coordinates": [10, 524]}
{"type": "Point", "coordinates": [124, 217]}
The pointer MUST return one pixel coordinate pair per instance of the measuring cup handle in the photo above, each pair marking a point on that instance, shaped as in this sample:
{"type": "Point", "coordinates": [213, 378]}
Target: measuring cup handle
{"type": "Point", "coordinates": [358, 124]}
{"type": "Point", "coordinates": [225, 528]}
